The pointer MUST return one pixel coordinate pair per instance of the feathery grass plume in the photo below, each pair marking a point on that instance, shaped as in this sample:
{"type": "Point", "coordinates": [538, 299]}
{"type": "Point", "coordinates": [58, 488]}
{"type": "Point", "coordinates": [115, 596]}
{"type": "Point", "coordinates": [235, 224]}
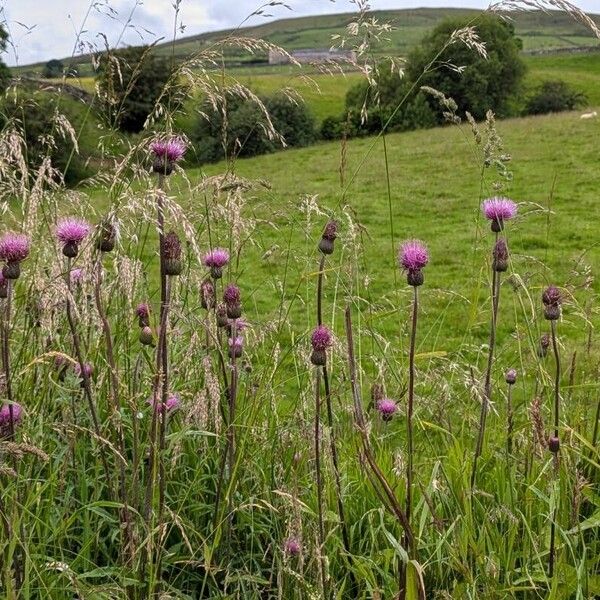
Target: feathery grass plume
{"type": "Point", "coordinates": [497, 210]}
{"type": "Point", "coordinates": [14, 249]}
{"type": "Point", "coordinates": [216, 259]}
{"type": "Point", "coordinates": [71, 232]}
{"type": "Point", "coordinates": [552, 299]}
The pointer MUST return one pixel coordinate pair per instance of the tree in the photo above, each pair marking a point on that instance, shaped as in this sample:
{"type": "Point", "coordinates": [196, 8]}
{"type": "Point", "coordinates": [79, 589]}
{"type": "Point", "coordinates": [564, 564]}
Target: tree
{"type": "Point", "coordinates": [4, 70]}
{"type": "Point", "coordinates": [131, 81]}
{"type": "Point", "coordinates": [53, 68]}
{"type": "Point", "coordinates": [484, 83]}
{"type": "Point", "coordinates": [554, 96]}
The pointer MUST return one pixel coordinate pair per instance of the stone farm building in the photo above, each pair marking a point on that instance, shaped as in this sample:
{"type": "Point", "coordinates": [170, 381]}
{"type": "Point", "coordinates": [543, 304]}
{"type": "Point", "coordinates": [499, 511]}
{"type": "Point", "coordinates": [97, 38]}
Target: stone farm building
{"type": "Point", "coordinates": [311, 56]}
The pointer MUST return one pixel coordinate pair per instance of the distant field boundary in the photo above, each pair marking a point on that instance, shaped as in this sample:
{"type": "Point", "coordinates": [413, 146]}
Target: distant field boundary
{"type": "Point", "coordinates": [568, 50]}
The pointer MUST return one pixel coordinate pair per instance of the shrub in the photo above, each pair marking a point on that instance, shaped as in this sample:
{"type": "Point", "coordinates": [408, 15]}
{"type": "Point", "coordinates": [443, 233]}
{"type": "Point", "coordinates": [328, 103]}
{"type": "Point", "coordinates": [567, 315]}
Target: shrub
{"type": "Point", "coordinates": [247, 128]}
{"type": "Point", "coordinates": [131, 81]}
{"type": "Point", "coordinates": [53, 68]}
{"type": "Point", "coordinates": [482, 83]}
{"type": "Point", "coordinates": [553, 96]}
{"type": "Point", "coordinates": [4, 70]}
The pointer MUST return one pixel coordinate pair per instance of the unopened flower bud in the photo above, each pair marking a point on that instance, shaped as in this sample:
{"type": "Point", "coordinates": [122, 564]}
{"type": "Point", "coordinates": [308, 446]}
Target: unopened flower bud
{"type": "Point", "coordinates": [172, 254]}
{"type": "Point", "coordinates": [511, 376]}
{"type": "Point", "coordinates": [500, 255]}
{"type": "Point", "coordinates": [328, 238]}
{"type": "Point", "coordinates": [552, 300]}
{"type": "Point", "coordinates": [107, 235]}
{"type": "Point", "coordinates": [222, 320]}
{"type": "Point", "coordinates": [232, 299]}
{"type": "Point", "coordinates": [553, 444]}
{"type": "Point", "coordinates": [544, 345]}
{"type": "Point", "coordinates": [146, 336]}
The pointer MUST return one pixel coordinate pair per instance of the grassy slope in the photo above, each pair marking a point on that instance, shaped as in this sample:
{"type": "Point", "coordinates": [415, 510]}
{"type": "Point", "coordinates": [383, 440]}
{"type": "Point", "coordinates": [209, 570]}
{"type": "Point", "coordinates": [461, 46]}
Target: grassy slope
{"type": "Point", "coordinates": [435, 196]}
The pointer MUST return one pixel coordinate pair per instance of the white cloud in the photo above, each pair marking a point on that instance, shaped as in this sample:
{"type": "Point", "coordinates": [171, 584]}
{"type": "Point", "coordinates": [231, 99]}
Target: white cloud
{"type": "Point", "coordinates": [54, 24]}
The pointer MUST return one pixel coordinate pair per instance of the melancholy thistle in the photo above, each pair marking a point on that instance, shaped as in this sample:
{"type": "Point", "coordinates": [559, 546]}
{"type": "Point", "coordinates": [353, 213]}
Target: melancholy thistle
{"type": "Point", "coordinates": [172, 254]}
{"type": "Point", "coordinates": [106, 236]}
{"type": "Point", "coordinates": [500, 256]}
{"type": "Point", "coordinates": [215, 260]}
{"type": "Point", "coordinates": [413, 258]}
{"type": "Point", "coordinates": [207, 294]}
{"type": "Point", "coordinates": [222, 320]}
{"type": "Point", "coordinates": [71, 232]}
{"type": "Point", "coordinates": [511, 376]}
{"type": "Point", "coordinates": [88, 371]}
{"type": "Point", "coordinates": [142, 312]}
{"type": "Point", "coordinates": [10, 415]}
{"type": "Point", "coordinates": [236, 346]}
{"type": "Point", "coordinates": [321, 340]}
{"type": "Point", "coordinates": [146, 336]}
{"type": "Point", "coordinates": [551, 298]}
{"type": "Point", "coordinates": [14, 248]}
{"type": "Point", "coordinates": [292, 546]}
{"type": "Point", "coordinates": [498, 210]}
{"type": "Point", "coordinates": [76, 276]}
{"type": "Point", "coordinates": [328, 237]}
{"type": "Point", "coordinates": [166, 153]}
{"type": "Point", "coordinates": [232, 299]}
{"type": "Point", "coordinates": [387, 408]}
{"type": "Point", "coordinates": [172, 403]}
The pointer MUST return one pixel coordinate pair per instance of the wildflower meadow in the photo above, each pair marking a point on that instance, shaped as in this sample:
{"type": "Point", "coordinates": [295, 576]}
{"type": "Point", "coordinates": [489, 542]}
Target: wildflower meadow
{"type": "Point", "coordinates": [297, 376]}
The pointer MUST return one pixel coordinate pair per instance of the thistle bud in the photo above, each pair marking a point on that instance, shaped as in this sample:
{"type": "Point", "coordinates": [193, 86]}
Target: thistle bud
{"type": "Point", "coordinates": [511, 377]}
{"type": "Point", "coordinates": [232, 299]}
{"type": "Point", "coordinates": [544, 345]}
{"type": "Point", "coordinates": [553, 444]}
{"type": "Point", "coordinates": [235, 347]}
{"type": "Point", "coordinates": [207, 294]}
{"type": "Point", "coordinates": [142, 312]}
{"type": "Point", "coordinates": [500, 256]}
{"type": "Point", "coordinates": [172, 254]}
{"type": "Point", "coordinates": [328, 238]}
{"type": "Point", "coordinates": [552, 300]}
{"type": "Point", "coordinates": [222, 320]}
{"type": "Point", "coordinates": [107, 235]}
{"type": "Point", "coordinates": [146, 336]}
{"type": "Point", "coordinates": [320, 340]}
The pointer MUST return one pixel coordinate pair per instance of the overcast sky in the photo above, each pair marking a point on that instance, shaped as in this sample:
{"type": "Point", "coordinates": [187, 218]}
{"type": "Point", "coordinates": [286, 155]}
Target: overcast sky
{"type": "Point", "coordinates": [44, 29]}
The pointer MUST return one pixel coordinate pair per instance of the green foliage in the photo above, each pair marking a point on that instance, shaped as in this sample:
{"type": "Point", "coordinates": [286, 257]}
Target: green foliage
{"type": "Point", "coordinates": [247, 131]}
{"type": "Point", "coordinates": [474, 82]}
{"type": "Point", "coordinates": [53, 68]}
{"type": "Point", "coordinates": [4, 70]}
{"type": "Point", "coordinates": [553, 96]}
{"type": "Point", "coordinates": [131, 81]}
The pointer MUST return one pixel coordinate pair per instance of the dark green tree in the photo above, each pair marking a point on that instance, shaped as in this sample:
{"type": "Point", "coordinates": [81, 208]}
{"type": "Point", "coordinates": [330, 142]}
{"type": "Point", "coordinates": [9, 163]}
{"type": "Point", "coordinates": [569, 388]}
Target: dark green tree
{"type": "Point", "coordinates": [553, 96]}
{"type": "Point", "coordinates": [53, 68]}
{"type": "Point", "coordinates": [474, 82]}
{"type": "Point", "coordinates": [131, 81]}
{"type": "Point", "coordinates": [4, 70]}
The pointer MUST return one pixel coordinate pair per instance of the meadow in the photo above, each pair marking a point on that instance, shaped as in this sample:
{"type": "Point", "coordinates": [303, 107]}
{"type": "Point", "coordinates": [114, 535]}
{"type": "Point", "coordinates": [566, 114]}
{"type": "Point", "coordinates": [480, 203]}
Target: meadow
{"type": "Point", "coordinates": [238, 381]}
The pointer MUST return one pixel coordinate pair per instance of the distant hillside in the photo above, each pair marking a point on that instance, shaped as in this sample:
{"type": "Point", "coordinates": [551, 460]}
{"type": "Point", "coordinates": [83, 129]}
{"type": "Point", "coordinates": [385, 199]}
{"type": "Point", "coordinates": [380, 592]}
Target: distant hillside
{"type": "Point", "coordinates": [537, 29]}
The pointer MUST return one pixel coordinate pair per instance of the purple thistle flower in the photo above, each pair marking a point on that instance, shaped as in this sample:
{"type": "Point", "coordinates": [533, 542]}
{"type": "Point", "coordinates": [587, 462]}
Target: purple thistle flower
{"type": "Point", "coordinates": [171, 149]}
{"type": "Point", "coordinates": [412, 258]}
{"type": "Point", "coordinates": [173, 403]}
{"type": "Point", "coordinates": [14, 247]}
{"type": "Point", "coordinates": [498, 210]}
{"type": "Point", "coordinates": [328, 237]}
{"type": "Point", "coordinates": [142, 312]}
{"type": "Point", "coordinates": [552, 299]}
{"type": "Point", "coordinates": [240, 325]}
{"type": "Point", "coordinates": [387, 408]}
{"type": "Point", "coordinates": [216, 259]}
{"type": "Point", "coordinates": [76, 276]}
{"type": "Point", "coordinates": [292, 546]}
{"type": "Point", "coordinates": [236, 346]}
{"type": "Point", "coordinates": [17, 414]}
{"type": "Point", "coordinates": [511, 376]}
{"type": "Point", "coordinates": [87, 370]}
{"type": "Point", "coordinates": [321, 338]}
{"type": "Point", "coordinates": [232, 299]}
{"type": "Point", "coordinates": [72, 230]}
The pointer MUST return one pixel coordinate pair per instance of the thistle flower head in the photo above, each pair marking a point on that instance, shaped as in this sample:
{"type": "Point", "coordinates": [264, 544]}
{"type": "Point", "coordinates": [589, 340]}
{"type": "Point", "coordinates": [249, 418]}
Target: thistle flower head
{"type": "Point", "coordinates": [170, 149]}
{"type": "Point", "coordinates": [142, 310]}
{"type": "Point", "coordinates": [76, 276]}
{"type": "Point", "coordinates": [413, 255]}
{"type": "Point", "coordinates": [292, 546]}
{"type": "Point", "coordinates": [500, 256]}
{"type": "Point", "coordinates": [72, 230]}
{"type": "Point", "coordinates": [5, 414]}
{"type": "Point", "coordinates": [172, 246]}
{"type": "Point", "coordinates": [511, 376]}
{"type": "Point", "coordinates": [232, 295]}
{"type": "Point", "coordinates": [236, 346]}
{"type": "Point", "coordinates": [14, 247]}
{"type": "Point", "coordinates": [498, 210]}
{"type": "Point", "coordinates": [87, 370]}
{"type": "Point", "coordinates": [321, 338]}
{"type": "Point", "coordinates": [173, 403]}
{"type": "Point", "coordinates": [551, 296]}
{"type": "Point", "coordinates": [387, 408]}
{"type": "Point", "coordinates": [218, 258]}
{"type": "Point", "coordinates": [330, 231]}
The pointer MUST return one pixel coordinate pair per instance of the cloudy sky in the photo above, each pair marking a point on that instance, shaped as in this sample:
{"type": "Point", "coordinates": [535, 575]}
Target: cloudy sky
{"type": "Point", "coordinates": [43, 29]}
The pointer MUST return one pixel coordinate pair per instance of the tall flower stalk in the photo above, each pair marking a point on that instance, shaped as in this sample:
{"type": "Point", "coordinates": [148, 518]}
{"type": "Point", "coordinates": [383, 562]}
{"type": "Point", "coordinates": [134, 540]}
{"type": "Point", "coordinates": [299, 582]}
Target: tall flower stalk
{"type": "Point", "coordinates": [413, 258]}
{"type": "Point", "coordinates": [14, 248]}
{"type": "Point", "coordinates": [326, 247]}
{"type": "Point", "coordinates": [497, 211]}
{"type": "Point", "coordinates": [552, 299]}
